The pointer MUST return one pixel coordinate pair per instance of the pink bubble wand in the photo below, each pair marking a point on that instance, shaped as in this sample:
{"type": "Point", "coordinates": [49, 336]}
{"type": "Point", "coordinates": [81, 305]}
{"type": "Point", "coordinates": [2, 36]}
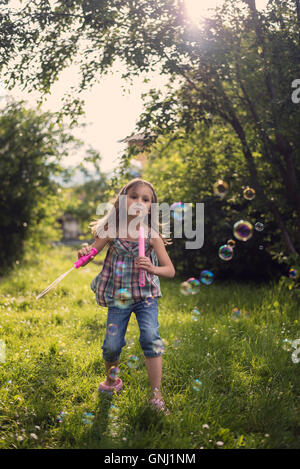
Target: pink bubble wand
{"type": "Point", "coordinates": [81, 261]}
{"type": "Point", "coordinates": [142, 277]}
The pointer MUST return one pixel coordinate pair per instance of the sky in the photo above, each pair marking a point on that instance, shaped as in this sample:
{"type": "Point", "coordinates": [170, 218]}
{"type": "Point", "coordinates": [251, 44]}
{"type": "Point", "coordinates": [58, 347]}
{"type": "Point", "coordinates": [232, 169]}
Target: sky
{"type": "Point", "coordinates": [110, 112]}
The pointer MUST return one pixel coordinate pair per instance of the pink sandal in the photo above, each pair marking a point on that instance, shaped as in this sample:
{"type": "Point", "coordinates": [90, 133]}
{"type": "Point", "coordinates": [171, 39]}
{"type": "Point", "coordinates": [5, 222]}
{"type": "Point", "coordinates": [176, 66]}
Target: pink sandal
{"type": "Point", "coordinates": [159, 404]}
{"type": "Point", "coordinates": [110, 389]}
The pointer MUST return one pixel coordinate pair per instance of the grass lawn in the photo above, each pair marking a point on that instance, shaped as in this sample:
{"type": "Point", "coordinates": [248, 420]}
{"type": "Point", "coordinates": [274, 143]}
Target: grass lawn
{"type": "Point", "coordinates": [250, 392]}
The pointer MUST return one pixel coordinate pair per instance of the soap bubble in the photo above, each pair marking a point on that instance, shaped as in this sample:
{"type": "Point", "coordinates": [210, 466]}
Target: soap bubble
{"type": "Point", "coordinates": [120, 268]}
{"type": "Point", "coordinates": [225, 252]}
{"type": "Point", "coordinates": [190, 286]}
{"type": "Point", "coordinates": [196, 384]}
{"type": "Point", "coordinates": [123, 298]}
{"type": "Point", "coordinates": [195, 314]}
{"type": "Point", "coordinates": [260, 247]}
{"type": "Point", "coordinates": [176, 343]}
{"type": "Point", "coordinates": [149, 300]}
{"type": "Point", "coordinates": [180, 209]}
{"type": "Point", "coordinates": [194, 285]}
{"type": "Point", "coordinates": [259, 226]}
{"type": "Point", "coordinates": [112, 329]}
{"type": "Point", "coordinates": [158, 346]}
{"type": "Point", "coordinates": [184, 288]}
{"type": "Point", "coordinates": [249, 193]}
{"type": "Point", "coordinates": [242, 230]}
{"type": "Point", "coordinates": [113, 372]}
{"type": "Point", "coordinates": [113, 412]}
{"type": "Point", "coordinates": [133, 361]}
{"type": "Point", "coordinates": [231, 243]}
{"type": "Point", "coordinates": [88, 418]}
{"type": "Point", "coordinates": [287, 345]}
{"type": "Point", "coordinates": [61, 416]}
{"type": "Point", "coordinates": [236, 313]}
{"type": "Point", "coordinates": [206, 277]}
{"type": "Point", "coordinates": [293, 273]}
{"type": "Point", "coordinates": [220, 188]}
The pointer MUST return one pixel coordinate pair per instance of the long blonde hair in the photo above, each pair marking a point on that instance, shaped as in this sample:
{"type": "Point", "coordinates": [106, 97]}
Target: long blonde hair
{"type": "Point", "coordinates": [101, 225]}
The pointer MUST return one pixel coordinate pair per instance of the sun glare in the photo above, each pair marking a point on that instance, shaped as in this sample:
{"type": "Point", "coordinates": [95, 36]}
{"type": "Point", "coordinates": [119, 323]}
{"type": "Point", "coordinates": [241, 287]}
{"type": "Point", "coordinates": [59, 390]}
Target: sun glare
{"type": "Point", "coordinates": [198, 9]}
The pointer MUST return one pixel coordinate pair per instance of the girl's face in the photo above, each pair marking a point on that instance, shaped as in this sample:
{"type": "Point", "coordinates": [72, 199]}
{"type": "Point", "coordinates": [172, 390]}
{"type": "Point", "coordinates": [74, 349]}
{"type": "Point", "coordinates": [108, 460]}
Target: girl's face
{"type": "Point", "coordinates": [139, 196]}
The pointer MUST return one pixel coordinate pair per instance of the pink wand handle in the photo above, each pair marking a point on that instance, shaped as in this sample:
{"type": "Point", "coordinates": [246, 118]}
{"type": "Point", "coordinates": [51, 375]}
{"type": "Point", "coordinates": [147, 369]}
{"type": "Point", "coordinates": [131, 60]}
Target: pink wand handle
{"type": "Point", "coordinates": [83, 260]}
{"type": "Point", "coordinates": [142, 277]}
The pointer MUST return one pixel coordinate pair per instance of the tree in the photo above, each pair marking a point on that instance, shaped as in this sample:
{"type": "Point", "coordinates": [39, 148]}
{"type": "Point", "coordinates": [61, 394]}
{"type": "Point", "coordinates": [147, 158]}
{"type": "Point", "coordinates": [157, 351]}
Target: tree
{"type": "Point", "coordinates": [31, 146]}
{"type": "Point", "coordinates": [229, 67]}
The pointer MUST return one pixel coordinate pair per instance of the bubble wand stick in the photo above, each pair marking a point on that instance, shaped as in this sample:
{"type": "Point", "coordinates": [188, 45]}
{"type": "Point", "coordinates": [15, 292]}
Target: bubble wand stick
{"type": "Point", "coordinates": [142, 278]}
{"type": "Point", "coordinates": [81, 261]}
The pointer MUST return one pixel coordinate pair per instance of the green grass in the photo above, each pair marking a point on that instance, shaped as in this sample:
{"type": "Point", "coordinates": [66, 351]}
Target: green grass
{"type": "Point", "coordinates": [250, 394]}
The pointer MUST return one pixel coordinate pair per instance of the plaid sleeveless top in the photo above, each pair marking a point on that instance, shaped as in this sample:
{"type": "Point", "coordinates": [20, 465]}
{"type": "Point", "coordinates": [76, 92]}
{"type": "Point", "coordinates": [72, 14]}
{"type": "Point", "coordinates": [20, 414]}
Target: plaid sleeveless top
{"type": "Point", "coordinates": [107, 283]}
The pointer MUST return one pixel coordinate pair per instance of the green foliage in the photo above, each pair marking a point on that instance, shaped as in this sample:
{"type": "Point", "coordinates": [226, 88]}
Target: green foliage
{"type": "Point", "coordinates": [31, 145]}
{"type": "Point", "coordinates": [250, 385]}
{"type": "Point", "coordinates": [82, 201]}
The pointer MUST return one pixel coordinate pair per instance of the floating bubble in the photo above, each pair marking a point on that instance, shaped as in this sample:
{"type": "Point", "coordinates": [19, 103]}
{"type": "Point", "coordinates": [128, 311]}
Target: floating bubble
{"type": "Point", "coordinates": [88, 418]}
{"type": "Point", "coordinates": [194, 285]}
{"type": "Point", "coordinates": [196, 384]}
{"type": "Point", "coordinates": [293, 273]}
{"type": "Point", "coordinates": [120, 268]}
{"type": "Point", "coordinates": [195, 314]}
{"type": "Point", "coordinates": [149, 300]}
{"type": "Point", "coordinates": [220, 188]}
{"type": "Point", "coordinates": [113, 412]}
{"type": "Point", "coordinates": [231, 243]}
{"type": "Point", "coordinates": [225, 252]}
{"type": "Point", "coordinates": [206, 277]}
{"type": "Point", "coordinates": [249, 193]}
{"type": "Point", "coordinates": [123, 298]}
{"type": "Point", "coordinates": [236, 313]}
{"type": "Point", "coordinates": [287, 345]}
{"type": "Point", "coordinates": [180, 209]}
{"type": "Point", "coordinates": [113, 372]}
{"type": "Point", "coordinates": [133, 361]}
{"type": "Point", "coordinates": [112, 329]}
{"type": "Point", "coordinates": [158, 346]}
{"type": "Point", "coordinates": [176, 343]}
{"type": "Point", "coordinates": [184, 288]}
{"type": "Point", "coordinates": [61, 416]}
{"type": "Point", "coordinates": [259, 226]}
{"type": "Point", "coordinates": [242, 230]}
{"type": "Point", "coordinates": [260, 247]}
{"type": "Point", "coordinates": [190, 286]}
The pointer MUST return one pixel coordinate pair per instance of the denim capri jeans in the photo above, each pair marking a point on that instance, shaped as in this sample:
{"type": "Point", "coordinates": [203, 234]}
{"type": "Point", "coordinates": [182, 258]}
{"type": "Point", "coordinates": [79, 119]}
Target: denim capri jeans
{"type": "Point", "coordinates": [118, 318]}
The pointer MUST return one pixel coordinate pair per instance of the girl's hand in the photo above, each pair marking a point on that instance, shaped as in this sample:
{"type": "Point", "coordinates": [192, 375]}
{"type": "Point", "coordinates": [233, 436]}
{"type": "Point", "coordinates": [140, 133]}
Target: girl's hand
{"type": "Point", "coordinates": [143, 262]}
{"type": "Point", "coordinates": [85, 251]}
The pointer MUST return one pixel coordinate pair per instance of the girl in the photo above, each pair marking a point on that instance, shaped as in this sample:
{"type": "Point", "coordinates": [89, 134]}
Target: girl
{"type": "Point", "coordinates": [121, 271]}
